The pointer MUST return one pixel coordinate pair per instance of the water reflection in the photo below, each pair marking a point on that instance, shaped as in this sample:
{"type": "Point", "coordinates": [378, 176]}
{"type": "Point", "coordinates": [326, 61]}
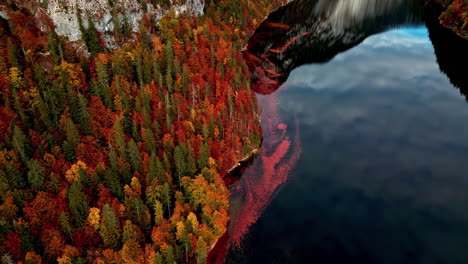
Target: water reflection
{"type": "Point", "coordinates": [382, 175]}
{"type": "Point", "coordinates": [306, 31]}
{"type": "Point", "coordinates": [450, 50]}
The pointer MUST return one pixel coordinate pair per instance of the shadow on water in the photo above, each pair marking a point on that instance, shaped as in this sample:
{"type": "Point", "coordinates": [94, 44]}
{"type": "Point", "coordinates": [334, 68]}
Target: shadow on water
{"type": "Point", "coordinates": [334, 209]}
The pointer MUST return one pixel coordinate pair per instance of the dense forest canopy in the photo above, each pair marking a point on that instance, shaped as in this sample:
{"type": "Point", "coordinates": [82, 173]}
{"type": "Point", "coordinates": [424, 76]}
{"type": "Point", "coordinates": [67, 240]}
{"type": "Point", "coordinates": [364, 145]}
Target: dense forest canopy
{"type": "Point", "coordinates": [115, 156]}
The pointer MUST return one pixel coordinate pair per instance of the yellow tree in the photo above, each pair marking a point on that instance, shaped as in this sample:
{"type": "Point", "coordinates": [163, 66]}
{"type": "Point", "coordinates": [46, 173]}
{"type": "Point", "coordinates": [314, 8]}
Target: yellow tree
{"type": "Point", "coordinates": [73, 174]}
{"type": "Point", "coordinates": [94, 217]}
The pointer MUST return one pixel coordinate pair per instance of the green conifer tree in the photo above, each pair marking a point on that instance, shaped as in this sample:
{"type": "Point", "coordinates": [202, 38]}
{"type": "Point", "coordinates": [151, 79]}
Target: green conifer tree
{"type": "Point", "coordinates": [78, 203]}
{"type": "Point", "coordinates": [110, 227]}
{"type": "Point", "coordinates": [134, 155]}
{"type": "Point", "coordinates": [36, 175]}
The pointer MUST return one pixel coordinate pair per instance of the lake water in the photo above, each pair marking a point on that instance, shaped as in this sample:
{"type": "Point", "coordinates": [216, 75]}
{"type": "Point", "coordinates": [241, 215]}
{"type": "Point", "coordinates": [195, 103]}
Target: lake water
{"type": "Point", "coordinates": [365, 155]}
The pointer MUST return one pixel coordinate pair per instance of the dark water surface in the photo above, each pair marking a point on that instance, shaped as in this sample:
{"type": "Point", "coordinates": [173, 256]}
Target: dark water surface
{"type": "Point", "coordinates": [382, 175]}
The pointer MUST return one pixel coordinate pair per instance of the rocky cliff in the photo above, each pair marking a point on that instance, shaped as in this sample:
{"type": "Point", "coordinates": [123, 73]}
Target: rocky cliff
{"type": "Point", "coordinates": [105, 14]}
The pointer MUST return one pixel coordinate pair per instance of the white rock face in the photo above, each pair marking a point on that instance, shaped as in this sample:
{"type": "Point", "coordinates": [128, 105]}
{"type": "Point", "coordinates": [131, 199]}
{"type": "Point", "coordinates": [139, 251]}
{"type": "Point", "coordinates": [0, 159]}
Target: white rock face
{"type": "Point", "coordinates": [64, 13]}
{"type": "Point", "coordinates": [349, 12]}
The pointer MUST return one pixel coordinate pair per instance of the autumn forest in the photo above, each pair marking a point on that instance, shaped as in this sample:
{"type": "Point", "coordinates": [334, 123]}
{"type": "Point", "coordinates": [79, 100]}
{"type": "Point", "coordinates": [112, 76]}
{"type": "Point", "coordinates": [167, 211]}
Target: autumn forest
{"type": "Point", "coordinates": [118, 155]}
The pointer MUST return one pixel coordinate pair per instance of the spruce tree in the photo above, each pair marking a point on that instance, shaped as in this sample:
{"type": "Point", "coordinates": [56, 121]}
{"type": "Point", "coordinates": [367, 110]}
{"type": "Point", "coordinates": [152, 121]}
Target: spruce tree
{"type": "Point", "coordinates": [134, 155]}
{"type": "Point", "coordinates": [78, 203]}
{"type": "Point", "coordinates": [166, 197]}
{"type": "Point", "coordinates": [179, 159]}
{"type": "Point", "coordinates": [19, 143]}
{"type": "Point", "coordinates": [191, 163]}
{"type": "Point", "coordinates": [36, 175]}
{"type": "Point", "coordinates": [110, 227]}
{"type": "Point", "coordinates": [64, 220]}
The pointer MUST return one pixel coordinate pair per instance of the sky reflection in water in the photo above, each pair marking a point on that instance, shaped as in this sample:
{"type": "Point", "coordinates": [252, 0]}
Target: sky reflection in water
{"type": "Point", "coordinates": [383, 175]}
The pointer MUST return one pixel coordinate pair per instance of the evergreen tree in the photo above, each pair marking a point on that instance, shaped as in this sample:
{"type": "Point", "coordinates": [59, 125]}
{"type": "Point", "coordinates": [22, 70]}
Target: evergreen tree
{"type": "Point", "coordinates": [159, 258]}
{"type": "Point", "coordinates": [72, 133]}
{"type": "Point", "coordinates": [80, 113]}
{"type": "Point", "coordinates": [111, 176]}
{"type": "Point", "coordinates": [102, 89]}
{"type": "Point", "coordinates": [36, 175]}
{"type": "Point", "coordinates": [137, 212]}
{"type": "Point", "coordinates": [169, 255]}
{"type": "Point", "coordinates": [149, 140]}
{"type": "Point", "coordinates": [191, 163]}
{"type": "Point", "coordinates": [134, 155]}
{"type": "Point", "coordinates": [204, 156]}
{"type": "Point", "coordinates": [28, 242]}
{"type": "Point", "coordinates": [110, 227]}
{"type": "Point", "coordinates": [19, 143]}
{"type": "Point", "coordinates": [54, 183]}
{"type": "Point", "coordinates": [135, 131]}
{"type": "Point", "coordinates": [156, 169]}
{"type": "Point", "coordinates": [13, 55]}
{"type": "Point", "coordinates": [126, 28]}
{"type": "Point", "coordinates": [93, 39]}
{"type": "Point", "coordinates": [179, 158]}
{"type": "Point", "coordinates": [78, 203]}
{"type": "Point", "coordinates": [166, 197]}
{"type": "Point", "coordinates": [15, 177]}
{"type": "Point", "coordinates": [167, 162]}
{"type": "Point", "coordinates": [139, 67]}
{"type": "Point", "coordinates": [4, 185]}
{"type": "Point", "coordinates": [65, 224]}
{"type": "Point", "coordinates": [118, 137]}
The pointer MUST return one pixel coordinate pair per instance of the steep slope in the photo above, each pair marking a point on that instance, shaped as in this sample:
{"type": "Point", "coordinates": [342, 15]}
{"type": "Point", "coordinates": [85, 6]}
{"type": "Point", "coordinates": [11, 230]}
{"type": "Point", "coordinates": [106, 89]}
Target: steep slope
{"type": "Point", "coordinates": [107, 15]}
{"type": "Point", "coordinates": [116, 156]}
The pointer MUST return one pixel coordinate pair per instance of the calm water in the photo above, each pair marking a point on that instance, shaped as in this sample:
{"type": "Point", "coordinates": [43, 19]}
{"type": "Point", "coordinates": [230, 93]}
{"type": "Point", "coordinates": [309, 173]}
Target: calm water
{"type": "Point", "coordinates": [382, 170]}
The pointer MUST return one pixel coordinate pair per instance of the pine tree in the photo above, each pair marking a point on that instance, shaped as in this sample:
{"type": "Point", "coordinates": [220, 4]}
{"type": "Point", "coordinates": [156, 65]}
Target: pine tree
{"type": "Point", "coordinates": [191, 163]}
{"type": "Point", "coordinates": [179, 158]}
{"type": "Point", "coordinates": [4, 185]}
{"type": "Point", "coordinates": [78, 203]}
{"type": "Point", "coordinates": [93, 40]}
{"type": "Point", "coordinates": [204, 156]}
{"type": "Point", "coordinates": [28, 242]}
{"type": "Point", "coordinates": [134, 155]}
{"type": "Point", "coordinates": [137, 212]}
{"type": "Point", "coordinates": [72, 133]}
{"type": "Point", "coordinates": [36, 175]}
{"type": "Point", "coordinates": [118, 137]}
{"type": "Point", "coordinates": [159, 258]}
{"type": "Point", "coordinates": [113, 182]}
{"type": "Point", "coordinates": [139, 67]}
{"type": "Point", "coordinates": [156, 169]}
{"type": "Point", "coordinates": [169, 255]}
{"type": "Point", "coordinates": [102, 89]}
{"type": "Point", "coordinates": [80, 113]}
{"type": "Point", "coordinates": [54, 183]}
{"type": "Point", "coordinates": [149, 140]}
{"type": "Point", "coordinates": [13, 55]}
{"type": "Point", "coordinates": [110, 227]}
{"type": "Point", "coordinates": [15, 177]}
{"type": "Point", "coordinates": [126, 28]}
{"type": "Point", "coordinates": [19, 143]}
{"type": "Point", "coordinates": [166, 197]}
{"type": "Point", "coordinates": [65, 224]}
